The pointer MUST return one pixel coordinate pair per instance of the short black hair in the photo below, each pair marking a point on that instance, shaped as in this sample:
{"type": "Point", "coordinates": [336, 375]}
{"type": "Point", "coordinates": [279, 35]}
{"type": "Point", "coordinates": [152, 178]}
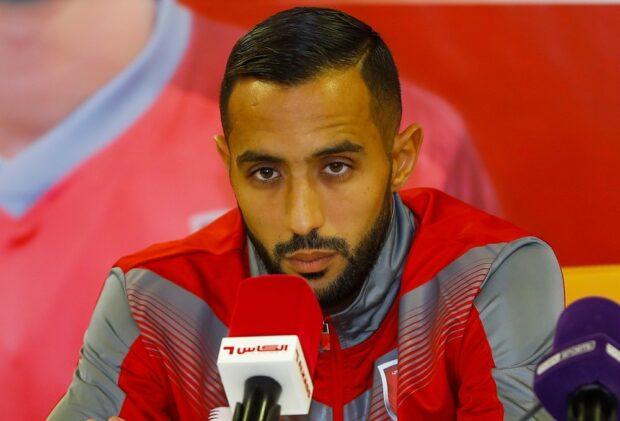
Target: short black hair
{"type": "Point", "coordinates": [295, 45]}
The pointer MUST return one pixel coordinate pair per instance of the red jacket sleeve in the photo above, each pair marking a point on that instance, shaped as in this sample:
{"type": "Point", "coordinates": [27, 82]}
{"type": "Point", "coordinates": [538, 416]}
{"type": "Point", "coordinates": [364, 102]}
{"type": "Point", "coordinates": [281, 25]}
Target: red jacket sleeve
{"type": "Point", "coordinates": [115, 373]}
{"type": "Point", "coordinates": [510, 328]}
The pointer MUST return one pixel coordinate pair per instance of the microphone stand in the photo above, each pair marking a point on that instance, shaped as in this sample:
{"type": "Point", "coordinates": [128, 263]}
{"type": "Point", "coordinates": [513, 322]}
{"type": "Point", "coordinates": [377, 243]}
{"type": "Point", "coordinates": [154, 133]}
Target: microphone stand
{"type": "Point", "coordinates": [592, 403]}
{"type": "Point", "coordinates": [260, 397]}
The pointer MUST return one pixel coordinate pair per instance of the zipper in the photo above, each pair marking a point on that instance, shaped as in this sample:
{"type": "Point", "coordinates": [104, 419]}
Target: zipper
{"type": "Point", "coordinates": [336, 362]}
{"type": "Point", "coordinates": [325, 338]}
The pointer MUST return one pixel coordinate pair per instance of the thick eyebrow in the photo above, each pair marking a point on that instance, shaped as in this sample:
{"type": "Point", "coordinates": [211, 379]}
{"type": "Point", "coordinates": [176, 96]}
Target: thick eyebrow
{"type": "Point", "coordinates": [344, 146]}
{"type": "Point", "coordinates": [256, 156]}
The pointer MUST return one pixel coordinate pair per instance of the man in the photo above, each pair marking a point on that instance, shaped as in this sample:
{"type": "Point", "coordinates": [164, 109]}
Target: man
{"type": "Point", "coordinates": [459, 303]}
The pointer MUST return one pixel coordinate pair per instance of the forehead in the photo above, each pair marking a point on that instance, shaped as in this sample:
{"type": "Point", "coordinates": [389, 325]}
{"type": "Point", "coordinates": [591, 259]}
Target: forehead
{"type": "Point", "coordinates": [335, 101]}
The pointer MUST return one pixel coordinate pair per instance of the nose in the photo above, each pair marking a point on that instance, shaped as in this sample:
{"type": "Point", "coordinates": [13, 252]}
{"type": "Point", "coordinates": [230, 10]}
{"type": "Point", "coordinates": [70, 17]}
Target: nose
{"type": "Point", "coordinates": [304, 208]}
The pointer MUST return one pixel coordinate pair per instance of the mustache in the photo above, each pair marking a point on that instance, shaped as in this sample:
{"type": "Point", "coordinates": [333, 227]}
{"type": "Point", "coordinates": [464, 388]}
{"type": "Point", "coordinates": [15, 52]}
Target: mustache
{"type": "Point", "coordinates": [312, 240]}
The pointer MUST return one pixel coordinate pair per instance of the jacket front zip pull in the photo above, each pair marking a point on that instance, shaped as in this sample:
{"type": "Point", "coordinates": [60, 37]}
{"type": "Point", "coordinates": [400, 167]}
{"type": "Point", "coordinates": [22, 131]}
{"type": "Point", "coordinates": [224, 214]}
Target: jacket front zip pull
{"type": "Point", "coordinates": [325, 338]}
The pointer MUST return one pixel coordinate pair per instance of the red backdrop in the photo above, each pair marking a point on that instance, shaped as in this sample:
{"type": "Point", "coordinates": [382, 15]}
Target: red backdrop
{"type": "Point", "coordinates": [539, 89]}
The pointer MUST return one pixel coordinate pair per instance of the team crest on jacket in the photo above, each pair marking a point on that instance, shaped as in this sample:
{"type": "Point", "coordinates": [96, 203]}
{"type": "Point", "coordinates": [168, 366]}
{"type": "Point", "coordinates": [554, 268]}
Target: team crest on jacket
{"type": "Point", "coordinates": [389, 381]}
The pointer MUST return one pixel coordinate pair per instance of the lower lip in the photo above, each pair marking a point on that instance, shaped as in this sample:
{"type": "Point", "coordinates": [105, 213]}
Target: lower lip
{"type": "Point", "coordinates": [302, 266]}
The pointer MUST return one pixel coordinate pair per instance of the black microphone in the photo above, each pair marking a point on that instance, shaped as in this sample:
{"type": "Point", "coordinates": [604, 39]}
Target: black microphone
{"type": "Point", "coordinates": [260, 400]}
{"type": "Point", "coordinates": [580, 379]}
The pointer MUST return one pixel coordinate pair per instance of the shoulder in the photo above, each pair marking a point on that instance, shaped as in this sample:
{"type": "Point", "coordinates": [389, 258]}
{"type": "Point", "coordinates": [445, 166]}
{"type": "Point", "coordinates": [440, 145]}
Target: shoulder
{"type": "Point", "coordinates": [223, 236]}
{"type": "Point", "coordinates": [445, 222]}
{"type": "Point", "coordinates": [457, 247]}
{"type": "Point", "coordinates": [204, 267]}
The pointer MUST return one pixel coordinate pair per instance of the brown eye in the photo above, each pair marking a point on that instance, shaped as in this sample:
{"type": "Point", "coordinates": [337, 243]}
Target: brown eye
{"type": "Point", "coordinates": [337, 168]}
{"type": "Point", "coordinates": [266, 174]}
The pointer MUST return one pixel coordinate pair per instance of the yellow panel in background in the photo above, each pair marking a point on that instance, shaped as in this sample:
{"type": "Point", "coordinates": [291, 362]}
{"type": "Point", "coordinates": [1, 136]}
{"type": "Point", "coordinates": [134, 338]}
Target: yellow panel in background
{"type": "Point", "coordinates": [584, 281]}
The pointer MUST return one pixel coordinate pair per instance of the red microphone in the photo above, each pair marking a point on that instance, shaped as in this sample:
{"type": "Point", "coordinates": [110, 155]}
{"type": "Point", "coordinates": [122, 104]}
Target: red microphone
{"type": "Point", "coordinates": [267, 360]}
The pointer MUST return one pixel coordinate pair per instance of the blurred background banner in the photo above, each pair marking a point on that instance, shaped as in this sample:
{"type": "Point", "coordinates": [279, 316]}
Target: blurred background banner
{"type": "Point", "coordinates": [538, 89]}
{"type": "Point", "coordinates": [108, 110]}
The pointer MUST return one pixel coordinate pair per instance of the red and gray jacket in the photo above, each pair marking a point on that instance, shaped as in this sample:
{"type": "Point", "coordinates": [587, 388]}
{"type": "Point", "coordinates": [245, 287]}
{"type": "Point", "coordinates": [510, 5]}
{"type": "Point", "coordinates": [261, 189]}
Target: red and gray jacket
{"type": "Point", "coordinates": [449, 325]}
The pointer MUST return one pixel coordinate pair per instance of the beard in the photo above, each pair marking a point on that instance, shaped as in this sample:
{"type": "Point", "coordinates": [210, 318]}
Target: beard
{"type": "Point", "coordinates": [360, 261]}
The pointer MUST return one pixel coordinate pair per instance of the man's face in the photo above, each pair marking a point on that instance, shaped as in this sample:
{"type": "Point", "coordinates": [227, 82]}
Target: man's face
{"type": "Point", "coordinates": [312, 178]}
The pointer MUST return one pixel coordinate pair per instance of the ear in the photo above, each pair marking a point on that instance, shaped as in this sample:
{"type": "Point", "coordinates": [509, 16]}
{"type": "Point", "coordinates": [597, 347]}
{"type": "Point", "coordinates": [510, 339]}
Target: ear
{"type": "Point", "coordinates": [223, 150]}
{"type": "Point", "coordinates": [405, 150]}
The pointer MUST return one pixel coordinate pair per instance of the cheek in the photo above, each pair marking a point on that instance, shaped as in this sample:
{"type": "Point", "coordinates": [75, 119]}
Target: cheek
{"type": "Point", "coordinates": [260, 212]}
{"type": "Point", "coordinates": [354, 207]}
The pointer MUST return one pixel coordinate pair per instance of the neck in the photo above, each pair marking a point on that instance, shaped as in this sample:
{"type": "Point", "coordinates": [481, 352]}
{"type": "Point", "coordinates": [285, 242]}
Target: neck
{"type": "Point", "coordinates": [54, 54]}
